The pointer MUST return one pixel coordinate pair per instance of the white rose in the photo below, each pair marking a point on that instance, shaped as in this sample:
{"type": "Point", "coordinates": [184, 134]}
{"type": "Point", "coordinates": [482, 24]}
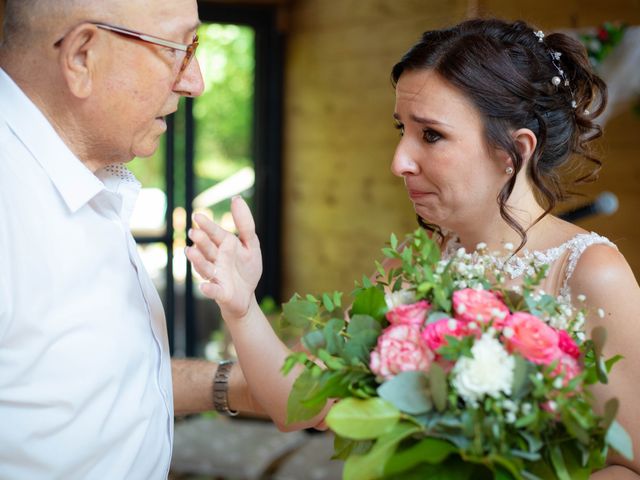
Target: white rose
{"type": "Point", "coordinates": [489, 372]}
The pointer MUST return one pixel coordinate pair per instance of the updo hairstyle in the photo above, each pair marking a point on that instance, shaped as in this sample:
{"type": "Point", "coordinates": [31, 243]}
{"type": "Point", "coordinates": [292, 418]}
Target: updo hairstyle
{"type": "Point", "coordinates": [507, 70]}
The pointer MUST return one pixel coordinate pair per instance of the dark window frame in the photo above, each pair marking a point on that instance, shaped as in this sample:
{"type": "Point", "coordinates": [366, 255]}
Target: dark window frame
{"type": "Point", "coordinates": [266, 151]}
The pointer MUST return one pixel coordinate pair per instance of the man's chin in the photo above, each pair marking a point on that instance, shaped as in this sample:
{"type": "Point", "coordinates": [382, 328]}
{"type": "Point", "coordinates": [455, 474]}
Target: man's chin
{"type": "Point", "coordinates": [146, 150]}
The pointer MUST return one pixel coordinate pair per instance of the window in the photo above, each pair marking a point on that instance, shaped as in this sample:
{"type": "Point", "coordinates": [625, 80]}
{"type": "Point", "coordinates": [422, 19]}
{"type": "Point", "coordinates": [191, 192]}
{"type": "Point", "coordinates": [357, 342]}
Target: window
{"type": "Point", "coordinates": [224, 143]}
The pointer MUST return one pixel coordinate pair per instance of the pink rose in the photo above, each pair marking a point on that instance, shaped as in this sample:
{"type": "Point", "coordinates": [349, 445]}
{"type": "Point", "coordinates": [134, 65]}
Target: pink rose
{"type": "Point", "coordinates": [435, 333]}
{"type": "Point", "coordinates": [532, 338]}
{"type": "Point", "coordinates": [413, 314]}
{"type": "Point", "coordinates": [482, 306]}
{"type": "Point", "coordinates": [400, 349]}
{"type": "Point", "coordinates": [568, 367]}
{"type": "Point", "coordinates": [567, 344]}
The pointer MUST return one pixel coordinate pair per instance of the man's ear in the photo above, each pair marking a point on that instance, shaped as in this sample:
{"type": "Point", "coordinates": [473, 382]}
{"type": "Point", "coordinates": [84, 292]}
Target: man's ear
{"type": "Point", "coordinates": [526, 142]}
{"type": "Point", "coordinates": [77, 59]}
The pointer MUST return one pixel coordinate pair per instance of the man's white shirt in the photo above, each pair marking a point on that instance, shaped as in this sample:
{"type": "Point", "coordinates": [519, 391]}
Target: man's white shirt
{"type": "Point", "coordinates": [85, 373]}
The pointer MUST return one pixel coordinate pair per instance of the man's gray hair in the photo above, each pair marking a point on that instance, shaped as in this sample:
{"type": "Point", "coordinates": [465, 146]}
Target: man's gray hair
{"type": "Point", "coordinates": [24, 19]}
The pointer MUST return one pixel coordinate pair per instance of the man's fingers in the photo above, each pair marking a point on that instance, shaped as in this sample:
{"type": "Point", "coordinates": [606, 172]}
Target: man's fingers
{"type": "Point", "coordinates": [244, 221]}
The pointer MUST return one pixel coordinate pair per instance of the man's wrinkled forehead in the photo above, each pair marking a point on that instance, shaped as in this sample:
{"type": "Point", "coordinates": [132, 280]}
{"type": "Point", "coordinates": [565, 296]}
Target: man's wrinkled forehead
{"type": "Point", "coordinates": [175, 16]}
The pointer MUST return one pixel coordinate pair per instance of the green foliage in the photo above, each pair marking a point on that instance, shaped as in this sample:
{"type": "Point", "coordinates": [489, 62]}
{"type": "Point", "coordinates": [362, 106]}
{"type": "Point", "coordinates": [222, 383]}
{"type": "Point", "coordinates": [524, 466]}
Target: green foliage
{"type": "Point", "coordinates": [416, 423]}
{"type": "Point", "coordinates": [408, 392]}
{"type": "Point", "coordinates": [362, 419]}
{"type": "Point", "coordinates": [600, 43]}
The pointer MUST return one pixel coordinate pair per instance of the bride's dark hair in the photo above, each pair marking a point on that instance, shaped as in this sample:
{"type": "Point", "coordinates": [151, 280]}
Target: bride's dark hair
{"type": "Point", "coordinates": [506, 70]}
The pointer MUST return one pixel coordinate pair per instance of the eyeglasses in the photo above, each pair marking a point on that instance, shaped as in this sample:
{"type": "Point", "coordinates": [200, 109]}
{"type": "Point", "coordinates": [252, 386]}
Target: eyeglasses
{"type": "Point", "coordinates": [187, 50]}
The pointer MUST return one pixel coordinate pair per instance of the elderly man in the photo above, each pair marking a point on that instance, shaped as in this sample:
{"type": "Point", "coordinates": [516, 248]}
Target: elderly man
{"type": "Point", "coordinates": [85, 375]}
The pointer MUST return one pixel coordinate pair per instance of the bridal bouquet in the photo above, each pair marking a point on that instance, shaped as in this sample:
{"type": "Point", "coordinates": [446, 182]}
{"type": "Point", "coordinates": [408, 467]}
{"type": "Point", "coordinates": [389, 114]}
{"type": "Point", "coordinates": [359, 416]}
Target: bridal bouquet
{"type": "Point", "coordinates": [440, 370]}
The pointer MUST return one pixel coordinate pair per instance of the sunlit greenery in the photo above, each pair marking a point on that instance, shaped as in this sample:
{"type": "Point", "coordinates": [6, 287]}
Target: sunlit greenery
{"type": "Point", "coordinates": [223, 114]}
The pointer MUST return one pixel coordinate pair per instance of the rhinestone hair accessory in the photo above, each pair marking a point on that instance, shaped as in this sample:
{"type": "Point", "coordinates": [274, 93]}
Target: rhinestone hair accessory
{"type": "Point", "coordinates": [561, 78]}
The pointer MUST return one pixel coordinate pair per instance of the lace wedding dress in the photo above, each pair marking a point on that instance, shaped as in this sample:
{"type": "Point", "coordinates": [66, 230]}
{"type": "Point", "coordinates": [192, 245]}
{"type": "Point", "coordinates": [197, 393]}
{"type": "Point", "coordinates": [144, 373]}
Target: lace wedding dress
{"type": "Point", "coordinates": [562, 261]}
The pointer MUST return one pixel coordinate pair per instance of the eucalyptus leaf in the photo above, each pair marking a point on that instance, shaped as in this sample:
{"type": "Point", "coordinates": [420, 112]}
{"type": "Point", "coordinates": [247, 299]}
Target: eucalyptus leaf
{"type": "Point", "coordinates": [313, 341]}
{"type": "Point", "coordinates": [533, 442]}
{"type": "Point", "coordinates": [299, 313]}
{"type": "Point", "coordinates": [362, 419]}
{"type": "Point", "coordinates": [337, 299]}
{"type": "Point", "coordinates": [437, 315]}
{"type": "Point", "coordinates": [364, 332]}
{"type": "Point", "coordinates": [394, 241]}
{"type": "Point", "coordinates": [438, 386]}
{"type": "Point", "coordinates": [598, 337]}
{"type": "Point", "coordinates": [610, 412]}
{"type": "Point", "coordinates": [601, 370]}
{"type": "Point", "coordinates": [358, 323]}
{"type": "Point", "coordinates": [618, 438]}
{"type": "Point", "coordinates": [333, 340]}
{"type": "Point", "coordinates": [529, 456]}
{"type": "Point", "coordinates": [408, 391]}
{"type": "Point", "coordinates": [327, 302]}
{"type": "Point", "coordinates": [520, 377]}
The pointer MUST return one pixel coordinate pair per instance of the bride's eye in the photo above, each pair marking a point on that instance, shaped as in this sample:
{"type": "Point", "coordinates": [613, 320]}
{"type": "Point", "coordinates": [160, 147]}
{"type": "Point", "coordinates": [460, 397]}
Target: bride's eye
{"type": "Point", "coordinates": [400, 127]}
{"type": "Point", "coordinates": [430, 136]}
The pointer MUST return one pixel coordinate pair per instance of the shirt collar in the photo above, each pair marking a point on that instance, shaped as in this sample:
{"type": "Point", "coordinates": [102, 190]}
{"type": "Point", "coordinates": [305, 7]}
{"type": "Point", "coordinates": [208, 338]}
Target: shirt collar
{"type": "Point", "coordinates": [73, 180]}
{"type": "Point", "coordinates": [118, 179]}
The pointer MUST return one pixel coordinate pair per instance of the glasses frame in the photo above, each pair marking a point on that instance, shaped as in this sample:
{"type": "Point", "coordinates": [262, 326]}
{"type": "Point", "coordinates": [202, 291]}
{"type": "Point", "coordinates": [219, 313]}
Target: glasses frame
{"type": "Point", "coordinates": [189, 49]}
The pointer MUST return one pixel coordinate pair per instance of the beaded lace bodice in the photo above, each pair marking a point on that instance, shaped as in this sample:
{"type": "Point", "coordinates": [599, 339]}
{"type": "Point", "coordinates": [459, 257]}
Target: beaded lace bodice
{"type": "Point", "coordinates": [518, 265]}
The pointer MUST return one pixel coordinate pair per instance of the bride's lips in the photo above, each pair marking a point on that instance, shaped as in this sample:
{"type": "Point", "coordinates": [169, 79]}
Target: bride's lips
{"type": "Point", "coordinates": [418, 194]}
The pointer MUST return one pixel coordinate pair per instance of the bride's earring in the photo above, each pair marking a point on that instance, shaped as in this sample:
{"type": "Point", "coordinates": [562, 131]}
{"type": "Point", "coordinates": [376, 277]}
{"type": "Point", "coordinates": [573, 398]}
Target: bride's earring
{"type": "Point", "coordinates": [509, 171]}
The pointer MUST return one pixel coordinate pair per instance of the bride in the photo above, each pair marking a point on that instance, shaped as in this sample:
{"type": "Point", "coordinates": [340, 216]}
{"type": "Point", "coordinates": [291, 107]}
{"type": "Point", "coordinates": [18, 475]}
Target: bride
{"type": "Point", "coordinates": [490, 115]}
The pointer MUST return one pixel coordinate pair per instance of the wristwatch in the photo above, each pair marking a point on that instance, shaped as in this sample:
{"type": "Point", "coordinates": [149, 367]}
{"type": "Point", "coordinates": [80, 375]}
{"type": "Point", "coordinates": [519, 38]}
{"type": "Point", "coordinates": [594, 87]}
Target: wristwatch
{"type": "Point", "coordinates": [221, 388]}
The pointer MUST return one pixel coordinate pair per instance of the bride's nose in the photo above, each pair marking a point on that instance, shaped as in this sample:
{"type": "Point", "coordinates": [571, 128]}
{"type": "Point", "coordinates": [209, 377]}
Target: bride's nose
{"type": "Point", "coordinates": [403, 160]}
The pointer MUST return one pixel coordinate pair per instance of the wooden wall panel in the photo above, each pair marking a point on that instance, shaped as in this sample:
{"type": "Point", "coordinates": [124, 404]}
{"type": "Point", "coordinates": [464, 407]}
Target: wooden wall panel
{"type": "Point", "coordinates": [340, 200]}
{"type": "Point", "coordinates": [569, 13]}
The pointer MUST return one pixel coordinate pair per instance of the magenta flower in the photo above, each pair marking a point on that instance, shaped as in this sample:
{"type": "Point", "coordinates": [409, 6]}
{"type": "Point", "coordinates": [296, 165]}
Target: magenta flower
{"type": "Point", "coordinates": [567, 344]}
{"type": "Point", "coordinates": [435, 333]}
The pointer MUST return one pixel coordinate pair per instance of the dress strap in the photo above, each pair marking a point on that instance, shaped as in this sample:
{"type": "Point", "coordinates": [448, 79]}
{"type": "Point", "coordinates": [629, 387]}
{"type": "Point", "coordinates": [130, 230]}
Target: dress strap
{"type": "Point", "coordinates": [576, 246]}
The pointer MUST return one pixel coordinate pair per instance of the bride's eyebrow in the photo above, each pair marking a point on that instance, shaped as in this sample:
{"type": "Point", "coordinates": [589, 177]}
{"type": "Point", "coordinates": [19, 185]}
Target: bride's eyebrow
{"type": "Point", "coordinates": [424, 120]}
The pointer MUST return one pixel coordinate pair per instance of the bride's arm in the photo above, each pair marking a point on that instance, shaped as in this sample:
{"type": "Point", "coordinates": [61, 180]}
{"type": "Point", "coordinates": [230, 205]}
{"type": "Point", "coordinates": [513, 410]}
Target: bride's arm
{"type": "Point", "coordinates": [605, 278]}
{"type": "Point", "coordinates": [233, 265]}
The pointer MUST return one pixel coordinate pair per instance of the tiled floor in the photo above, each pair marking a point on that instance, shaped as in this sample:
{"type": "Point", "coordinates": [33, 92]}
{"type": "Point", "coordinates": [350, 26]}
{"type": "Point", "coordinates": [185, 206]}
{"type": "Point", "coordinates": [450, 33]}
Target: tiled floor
{"type": "Point", "coordinates": [246, 449]}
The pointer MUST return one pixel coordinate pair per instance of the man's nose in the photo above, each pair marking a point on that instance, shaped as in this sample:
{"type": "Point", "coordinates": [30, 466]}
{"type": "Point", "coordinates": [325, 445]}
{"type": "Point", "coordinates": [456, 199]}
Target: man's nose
{"type": "Point", "coordinates": [190, 83]}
